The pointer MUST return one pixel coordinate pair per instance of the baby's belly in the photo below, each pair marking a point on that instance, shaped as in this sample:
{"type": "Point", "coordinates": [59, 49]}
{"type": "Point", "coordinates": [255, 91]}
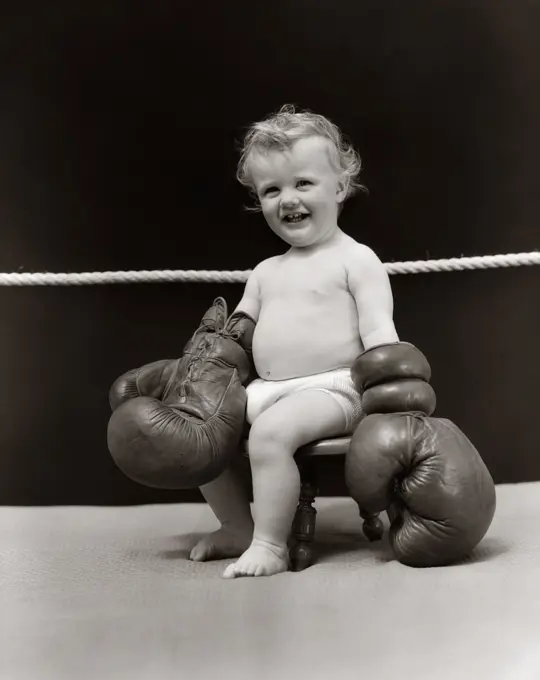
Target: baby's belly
{"type": "Point", "coordinates": [292, 343]}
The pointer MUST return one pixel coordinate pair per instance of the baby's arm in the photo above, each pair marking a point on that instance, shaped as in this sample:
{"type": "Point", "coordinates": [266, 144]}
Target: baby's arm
{"type": "Point", "coordinates": [369, 285]}
{"type": "Point", "coordinates": [251, 300]}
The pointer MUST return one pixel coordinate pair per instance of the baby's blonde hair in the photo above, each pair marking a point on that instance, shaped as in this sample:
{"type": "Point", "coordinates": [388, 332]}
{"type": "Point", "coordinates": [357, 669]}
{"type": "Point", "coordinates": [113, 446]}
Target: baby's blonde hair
{"type": "Point", "coordinates": [281, 130]}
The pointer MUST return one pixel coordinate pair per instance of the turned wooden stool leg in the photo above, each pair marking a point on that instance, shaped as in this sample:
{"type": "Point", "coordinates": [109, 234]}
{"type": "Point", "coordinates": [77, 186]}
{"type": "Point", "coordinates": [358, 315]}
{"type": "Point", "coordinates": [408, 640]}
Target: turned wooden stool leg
{"type": "Point", "coordinates": [373, 527]}
{"type": "Point", "coordinates": [301, 554]}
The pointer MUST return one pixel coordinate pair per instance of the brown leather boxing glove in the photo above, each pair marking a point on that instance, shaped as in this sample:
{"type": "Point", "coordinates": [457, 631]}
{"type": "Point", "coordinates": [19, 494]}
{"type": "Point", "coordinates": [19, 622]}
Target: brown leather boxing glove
{"type": "Point", "coordinates": [424, 471]}
{"type": "Point", "coordinates": [176, 424]}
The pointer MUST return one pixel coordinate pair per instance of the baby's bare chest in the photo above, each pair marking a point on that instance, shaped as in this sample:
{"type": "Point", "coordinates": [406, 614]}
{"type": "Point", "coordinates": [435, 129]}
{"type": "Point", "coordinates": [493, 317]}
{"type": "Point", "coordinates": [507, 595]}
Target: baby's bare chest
{"type": "Point", "coordinates": [317, 282]}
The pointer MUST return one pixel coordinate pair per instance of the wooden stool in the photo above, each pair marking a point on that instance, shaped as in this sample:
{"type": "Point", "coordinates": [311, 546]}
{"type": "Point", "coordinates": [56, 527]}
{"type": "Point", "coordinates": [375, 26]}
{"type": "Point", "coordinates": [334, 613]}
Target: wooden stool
{"type": "Point", "coordinates": [301, 549]}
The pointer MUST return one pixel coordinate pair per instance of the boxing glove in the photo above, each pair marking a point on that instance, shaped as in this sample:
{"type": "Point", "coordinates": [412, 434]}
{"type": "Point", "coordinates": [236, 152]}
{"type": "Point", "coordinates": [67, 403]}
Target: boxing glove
{"type": "Point", "coordinates": [428, 476]}
{"type": "Point", "coordinates": [176, 424]}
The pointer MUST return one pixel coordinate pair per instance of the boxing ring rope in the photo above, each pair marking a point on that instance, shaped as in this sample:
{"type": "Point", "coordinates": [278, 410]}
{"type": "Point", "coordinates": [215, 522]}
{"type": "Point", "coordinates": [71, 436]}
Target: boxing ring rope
{"type": "Point", "coordinates": [240, 276]}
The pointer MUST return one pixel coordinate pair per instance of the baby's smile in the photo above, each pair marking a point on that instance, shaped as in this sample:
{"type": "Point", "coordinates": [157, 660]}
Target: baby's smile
{"type": "Point", "coordinates": [293, 218]}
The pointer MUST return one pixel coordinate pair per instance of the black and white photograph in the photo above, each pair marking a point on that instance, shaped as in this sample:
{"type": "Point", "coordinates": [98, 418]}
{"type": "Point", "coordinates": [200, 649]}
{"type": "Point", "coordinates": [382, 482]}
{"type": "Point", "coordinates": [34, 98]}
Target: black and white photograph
{"type": "Point", "coordinates": [270, 343]}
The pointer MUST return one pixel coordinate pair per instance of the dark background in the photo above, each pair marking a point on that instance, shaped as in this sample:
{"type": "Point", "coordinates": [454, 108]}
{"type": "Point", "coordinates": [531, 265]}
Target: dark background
{"type": "Point", "coordinates": [119, 125]}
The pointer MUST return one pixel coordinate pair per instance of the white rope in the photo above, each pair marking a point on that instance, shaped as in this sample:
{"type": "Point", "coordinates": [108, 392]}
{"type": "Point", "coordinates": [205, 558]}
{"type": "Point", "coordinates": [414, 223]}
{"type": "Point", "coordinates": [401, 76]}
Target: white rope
{"type": "Point", "coordinates": [240, 276]}
{"type": "Point", "coordinates": [463, 263]}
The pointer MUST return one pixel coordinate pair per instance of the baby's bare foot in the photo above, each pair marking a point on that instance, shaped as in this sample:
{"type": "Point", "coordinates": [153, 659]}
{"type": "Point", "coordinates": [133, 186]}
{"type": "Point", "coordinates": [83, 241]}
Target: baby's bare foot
{"type": "Point", "coordinates": [225, 542]}
{"type": "Point", "coordinates": [260, 559]}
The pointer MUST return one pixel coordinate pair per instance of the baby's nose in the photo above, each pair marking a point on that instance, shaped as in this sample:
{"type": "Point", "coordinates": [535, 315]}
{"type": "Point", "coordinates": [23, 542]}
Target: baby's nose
{"type": "Point", "coordinates": [289, 200]}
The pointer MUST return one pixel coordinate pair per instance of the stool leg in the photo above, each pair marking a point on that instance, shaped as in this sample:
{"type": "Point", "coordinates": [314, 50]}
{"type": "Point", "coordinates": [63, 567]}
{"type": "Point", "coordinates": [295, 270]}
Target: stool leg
{"type": "Point", "coordinates": [301, 554]}
{"type": "Point", "coordinates": [373, 527]}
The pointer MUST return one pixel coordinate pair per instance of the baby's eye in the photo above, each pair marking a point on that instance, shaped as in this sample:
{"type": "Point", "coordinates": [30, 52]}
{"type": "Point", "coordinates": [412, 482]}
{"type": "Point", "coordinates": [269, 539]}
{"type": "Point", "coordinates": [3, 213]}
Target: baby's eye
{"type": "Point", "coordinates": [303, 182]}
{"type": "Point", "coordinates": [269, 190]}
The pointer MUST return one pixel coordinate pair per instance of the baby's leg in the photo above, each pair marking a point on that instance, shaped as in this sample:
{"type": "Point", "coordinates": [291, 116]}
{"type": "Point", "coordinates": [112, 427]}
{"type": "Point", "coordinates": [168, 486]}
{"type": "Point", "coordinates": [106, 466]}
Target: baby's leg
{"type": "Point", "coordinates": [274, 438]}
{"type": "Point", "coordinates": [230, 504]}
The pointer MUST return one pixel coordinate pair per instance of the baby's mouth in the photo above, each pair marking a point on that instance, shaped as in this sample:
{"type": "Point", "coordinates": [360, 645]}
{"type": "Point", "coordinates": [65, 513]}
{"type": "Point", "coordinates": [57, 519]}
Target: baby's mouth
{"type": "Point", "coordinates": [295, 218]}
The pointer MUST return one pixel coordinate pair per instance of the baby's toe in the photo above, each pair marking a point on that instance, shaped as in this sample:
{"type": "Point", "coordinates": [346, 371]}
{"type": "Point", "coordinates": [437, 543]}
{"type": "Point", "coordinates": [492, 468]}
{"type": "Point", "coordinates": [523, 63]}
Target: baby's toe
{"type": "Point", "coordinates": [251, 569]}
{"type": "Point", "coordinates": [230, 571]}
{"type": "Point", "coordinates": [200, 552]}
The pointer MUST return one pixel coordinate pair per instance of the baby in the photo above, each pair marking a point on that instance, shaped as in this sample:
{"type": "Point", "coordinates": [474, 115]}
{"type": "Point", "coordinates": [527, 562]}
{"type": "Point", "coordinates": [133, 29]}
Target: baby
{"type": "Point", "coordinates": [317, 307]}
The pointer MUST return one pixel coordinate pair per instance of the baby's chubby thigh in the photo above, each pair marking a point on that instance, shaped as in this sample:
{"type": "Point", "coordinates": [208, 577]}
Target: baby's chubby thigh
{"type": "Point", "coordinates": [285, 415]}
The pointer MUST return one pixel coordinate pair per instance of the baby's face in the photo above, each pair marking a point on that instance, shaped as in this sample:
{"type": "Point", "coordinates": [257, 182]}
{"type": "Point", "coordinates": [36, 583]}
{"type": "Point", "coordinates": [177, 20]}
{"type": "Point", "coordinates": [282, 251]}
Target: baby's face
{"type": "Point", "coordinates": [299, 191]}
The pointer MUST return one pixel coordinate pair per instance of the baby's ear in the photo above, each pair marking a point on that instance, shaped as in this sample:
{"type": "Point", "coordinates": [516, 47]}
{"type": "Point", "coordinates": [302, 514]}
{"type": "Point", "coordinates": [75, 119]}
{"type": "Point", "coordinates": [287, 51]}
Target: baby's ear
{"type": "Point", "coordinates": [342, 187]}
